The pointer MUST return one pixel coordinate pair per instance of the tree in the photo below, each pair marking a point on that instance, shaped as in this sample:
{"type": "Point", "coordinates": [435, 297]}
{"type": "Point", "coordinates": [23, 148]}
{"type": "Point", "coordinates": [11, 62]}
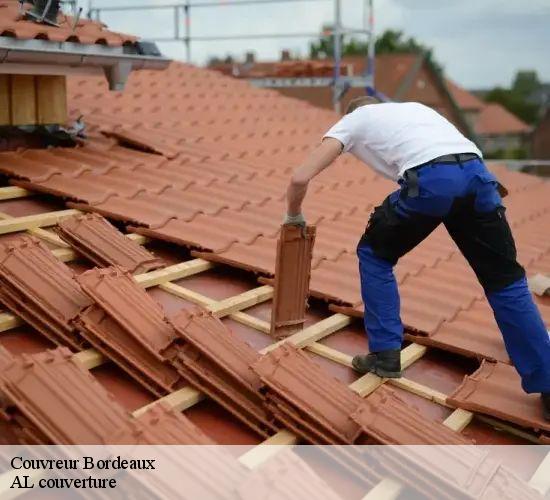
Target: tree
{"type": "Point", "coordinates": [515, 99]}
{"type": "Point", "coordinates": [389, 42]}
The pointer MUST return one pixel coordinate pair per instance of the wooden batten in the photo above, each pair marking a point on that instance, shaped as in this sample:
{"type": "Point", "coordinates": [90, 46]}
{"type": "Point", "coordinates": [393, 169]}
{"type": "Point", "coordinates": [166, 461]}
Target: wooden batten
{"type": "Point", "coordinates": [22, 100]}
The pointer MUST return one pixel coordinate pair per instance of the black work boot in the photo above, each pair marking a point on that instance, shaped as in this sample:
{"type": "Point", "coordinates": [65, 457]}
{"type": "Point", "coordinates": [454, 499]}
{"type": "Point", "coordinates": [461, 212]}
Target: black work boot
{"type": "Point", "coordinates": [385, 364]}
{"type": "Point", "coordinates": [545, 397]}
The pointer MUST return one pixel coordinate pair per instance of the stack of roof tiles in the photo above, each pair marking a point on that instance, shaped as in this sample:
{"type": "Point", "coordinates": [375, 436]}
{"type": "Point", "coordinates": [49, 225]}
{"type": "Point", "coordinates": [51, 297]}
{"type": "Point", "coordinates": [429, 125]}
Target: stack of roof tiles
{"type": "Point", "coordinates": [322, 410]}
{"type": "Point", "coordinates": [100, 242]}
{"type": "Point", "coordinates": [129, 327]}
{"type": "Point", "coordinates": [40, 289]}
{"type": "Point", "coordinates": [48, 398]}
{"type": "Point", "coordinates": [216, 361]}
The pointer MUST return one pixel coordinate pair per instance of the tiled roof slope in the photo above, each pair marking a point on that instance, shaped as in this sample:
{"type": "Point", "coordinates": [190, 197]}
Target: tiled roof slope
{"type": "Point", "coordinates": [85, 32]}
{"type": "Point", "coordinates": [223, 192]}
{"type": "Point", "coordinates": [495, 119]}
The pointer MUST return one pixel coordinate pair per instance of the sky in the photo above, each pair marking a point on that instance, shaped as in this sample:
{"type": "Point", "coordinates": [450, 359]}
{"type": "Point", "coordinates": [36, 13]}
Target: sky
{"type": "Point", "coordinates": [480, 43]}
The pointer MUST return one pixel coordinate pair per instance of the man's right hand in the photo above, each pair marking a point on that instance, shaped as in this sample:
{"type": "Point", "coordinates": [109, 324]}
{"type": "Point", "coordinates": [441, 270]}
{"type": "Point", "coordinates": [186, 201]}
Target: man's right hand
{"type": "Point", "coordinates": [295, 220]}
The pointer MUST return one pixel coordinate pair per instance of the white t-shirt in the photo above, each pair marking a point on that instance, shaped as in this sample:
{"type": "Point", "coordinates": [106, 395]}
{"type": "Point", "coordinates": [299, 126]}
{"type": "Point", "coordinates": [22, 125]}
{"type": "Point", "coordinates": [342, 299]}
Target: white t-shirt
{"type": "Point", "coordinates": [393, 137]}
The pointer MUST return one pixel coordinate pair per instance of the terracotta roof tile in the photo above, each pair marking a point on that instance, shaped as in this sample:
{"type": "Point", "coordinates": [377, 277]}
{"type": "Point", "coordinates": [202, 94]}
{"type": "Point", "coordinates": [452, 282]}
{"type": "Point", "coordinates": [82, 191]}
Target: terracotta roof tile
{"type": "Point", "coordinates": [292, 275]}
{"type": "Point", "coordinates": [86, 31]}
{"type": "Point", "coordinates": [98, 240]}
{"type": "Point", "coordinates": [494, 119]}
{"type": "Point", "coordinates": [217, 362]}
{"type": "Point", "coordinates": [300, 481]}
{"type": "Point", "coordinates": [41, 289]}
{"type": "Point", "coordinates": [59, 401]}
{"type": "Point", "coordinates": [128, 326]}
{"type": "Point", "coordinates": [160, 426]}
{"type": "Point", "coordinates": [464, 99]}
{"type": "Point", "coordinates": [322, 410]}
{"type": "Point", "coordinates": [495, 389]}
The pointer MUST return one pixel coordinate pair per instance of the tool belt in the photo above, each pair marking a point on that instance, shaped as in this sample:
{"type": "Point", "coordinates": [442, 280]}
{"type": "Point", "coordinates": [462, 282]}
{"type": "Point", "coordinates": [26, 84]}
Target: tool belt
{"type": "Point", "coordinates": [411, 174]}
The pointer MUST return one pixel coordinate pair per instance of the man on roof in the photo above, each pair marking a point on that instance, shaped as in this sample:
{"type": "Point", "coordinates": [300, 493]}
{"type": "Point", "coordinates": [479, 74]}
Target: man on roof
{"type": "Point", "coordinates": [442, 179]}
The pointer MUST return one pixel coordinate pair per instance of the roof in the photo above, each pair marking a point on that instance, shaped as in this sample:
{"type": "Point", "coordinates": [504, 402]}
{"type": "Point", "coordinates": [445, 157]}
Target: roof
{"type": "Point", "coordinates": [86, 32]}
{"type": "Point", "coordinates": [464, 99]}
{"type": "Point", "coordinates": [494, 119]}
{"type": "Point", "coordinates": [202, 161]}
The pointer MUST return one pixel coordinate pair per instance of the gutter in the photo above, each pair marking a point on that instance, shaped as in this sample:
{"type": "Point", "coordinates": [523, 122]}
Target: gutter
{"type": "Point", "coordinates": [116, 62]}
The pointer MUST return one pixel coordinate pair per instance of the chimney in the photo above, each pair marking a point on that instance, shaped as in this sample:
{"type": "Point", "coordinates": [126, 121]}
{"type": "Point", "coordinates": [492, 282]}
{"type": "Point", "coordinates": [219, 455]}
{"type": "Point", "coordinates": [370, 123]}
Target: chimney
{"type": "Point", "coordinates": [285, 55]}
{"type": "Point", "coordinates": [250, 58]}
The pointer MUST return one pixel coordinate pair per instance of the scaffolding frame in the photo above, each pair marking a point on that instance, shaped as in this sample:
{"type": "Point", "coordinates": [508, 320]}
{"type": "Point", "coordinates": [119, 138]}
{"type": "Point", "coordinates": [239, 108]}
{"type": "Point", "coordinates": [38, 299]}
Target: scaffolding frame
{"type": "Point", "coordinates": [339, 83]}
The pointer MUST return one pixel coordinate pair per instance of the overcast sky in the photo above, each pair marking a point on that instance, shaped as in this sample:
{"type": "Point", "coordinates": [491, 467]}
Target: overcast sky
{"type": "Point", "coordinates": [480, 43]}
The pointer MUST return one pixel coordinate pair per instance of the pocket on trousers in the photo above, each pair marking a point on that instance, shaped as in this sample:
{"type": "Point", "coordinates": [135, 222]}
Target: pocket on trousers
{"type": "Point", "coordinates": [494, 231]}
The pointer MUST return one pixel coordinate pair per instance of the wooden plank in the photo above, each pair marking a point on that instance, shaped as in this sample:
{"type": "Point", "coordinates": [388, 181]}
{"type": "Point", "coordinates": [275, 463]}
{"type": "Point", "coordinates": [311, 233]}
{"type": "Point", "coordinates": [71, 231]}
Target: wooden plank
{"type": "Point", "coordinates": [65, 254]}
{"type": "Point", "coordinates": [223, 308]}
{"type": "Point", "coordinates": [271, 446]}
{"type": "Point", "coordinates": [34, 221]}
{"type": "Point", "coordinates": [175, 272]}
{"type": "Point", "coordinates": [251, 321]}
{"type": "Point", "coordinates": [370, 382]}
{"type": "Point", "coordinates": [314, 332]}
{"type": "Point", "coordinates": [5, 104]}
{"type": "Point", "coordinates": [9, 321]}
{"type": "Point", "coordinates": [51, 99]}
{"type": "Point", "coordinates": [23, 100]}
{"type": "Point", "coordinates": [90, 358]}
{"type": "Point", "coordinates": [459, 420]}
{"type": "Point", "coordinates": [138, 238]}
{"type": "Point", "coordinates": [242, 301]}
{"type": "Point", "coordinates": [387, 489]}
{"type": "Point", "coordinates": [541, 478]}
{"type": "Point", "coordinates": [420, 390]}
{"type": "Point", "coordinates": [329, 353]}
{"type": "Point", "coordinates": [179, 400]}
{"type": "Point", "coordinates": [11, 192]}
{"type": "Point", "coordinates": [43, 234]}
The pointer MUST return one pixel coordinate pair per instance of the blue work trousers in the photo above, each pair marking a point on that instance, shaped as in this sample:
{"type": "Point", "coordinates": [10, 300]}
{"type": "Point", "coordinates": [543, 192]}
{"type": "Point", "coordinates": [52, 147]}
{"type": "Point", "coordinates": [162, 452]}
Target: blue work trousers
{"type": "Point", "coordinates": [465, 198]}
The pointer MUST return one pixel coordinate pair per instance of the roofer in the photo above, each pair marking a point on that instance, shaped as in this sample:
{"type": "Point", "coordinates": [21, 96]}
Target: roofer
{"type": "Point", "coordinates": [442, 179]}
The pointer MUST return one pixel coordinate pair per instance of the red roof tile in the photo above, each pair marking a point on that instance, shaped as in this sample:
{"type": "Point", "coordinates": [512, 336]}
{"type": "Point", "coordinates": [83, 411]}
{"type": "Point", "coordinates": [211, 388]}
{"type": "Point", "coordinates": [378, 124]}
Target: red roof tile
{"type": "Point", "coordinates": [41, 289]}
{"type": "Point", "coordinates": [129, 327]}
{"type": "Point", "coordinates": [464, 99]}
{"type": "Point", "coordinates": [292, 274]}
{"type": "Point", "coordinates": [494, 119]}
{"type": "Point", "coordinates": [495, 389]}
{"type": "Point", "coordinates": [99, 241]}
{"type": "Point", "coordinates": [86, 31]}
{"type": "Point", "coordinates": [218, 363]}
{"type": "Point", "coordinates": [60, 401]}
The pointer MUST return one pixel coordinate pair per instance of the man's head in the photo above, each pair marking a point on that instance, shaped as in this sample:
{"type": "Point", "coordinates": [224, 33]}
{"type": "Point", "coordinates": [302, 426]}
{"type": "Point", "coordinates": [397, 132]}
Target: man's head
{"type": "Point", "coordinates": [361, 101]}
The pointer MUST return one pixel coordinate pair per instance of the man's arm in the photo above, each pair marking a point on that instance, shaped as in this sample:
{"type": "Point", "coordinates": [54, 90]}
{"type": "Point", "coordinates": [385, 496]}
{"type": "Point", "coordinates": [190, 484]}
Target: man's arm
{"type": "Point", "coordinates": [319, 159]}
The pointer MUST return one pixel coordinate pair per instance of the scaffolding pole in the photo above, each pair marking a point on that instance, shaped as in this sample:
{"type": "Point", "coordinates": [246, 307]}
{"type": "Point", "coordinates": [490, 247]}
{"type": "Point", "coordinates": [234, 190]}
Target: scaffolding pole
{"type": "Point", "coordinates": [339, 83]}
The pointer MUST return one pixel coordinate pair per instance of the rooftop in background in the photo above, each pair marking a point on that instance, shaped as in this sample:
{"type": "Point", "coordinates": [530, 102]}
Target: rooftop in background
{"type": "Point", "coordinates": [495, 119]}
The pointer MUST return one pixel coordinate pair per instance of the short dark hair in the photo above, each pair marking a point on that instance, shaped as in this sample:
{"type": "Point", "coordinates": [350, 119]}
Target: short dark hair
{"type": "Point", "coordinates": [361, 101]}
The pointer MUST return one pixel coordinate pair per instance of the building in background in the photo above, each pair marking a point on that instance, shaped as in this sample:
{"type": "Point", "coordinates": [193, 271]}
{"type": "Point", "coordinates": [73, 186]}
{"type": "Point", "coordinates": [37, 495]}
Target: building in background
{"type": "Point", "coordinates": [400, 77]}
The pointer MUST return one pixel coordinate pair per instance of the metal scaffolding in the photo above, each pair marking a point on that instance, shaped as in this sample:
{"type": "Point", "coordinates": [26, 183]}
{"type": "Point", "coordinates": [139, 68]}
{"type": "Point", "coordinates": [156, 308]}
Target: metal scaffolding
{"type": "Point", "coordinates": [339, 83]}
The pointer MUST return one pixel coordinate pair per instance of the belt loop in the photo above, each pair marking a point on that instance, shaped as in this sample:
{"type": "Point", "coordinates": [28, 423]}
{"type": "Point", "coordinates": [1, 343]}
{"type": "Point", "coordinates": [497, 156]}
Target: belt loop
{"type": "Point", "coordinates": [459, 161]}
